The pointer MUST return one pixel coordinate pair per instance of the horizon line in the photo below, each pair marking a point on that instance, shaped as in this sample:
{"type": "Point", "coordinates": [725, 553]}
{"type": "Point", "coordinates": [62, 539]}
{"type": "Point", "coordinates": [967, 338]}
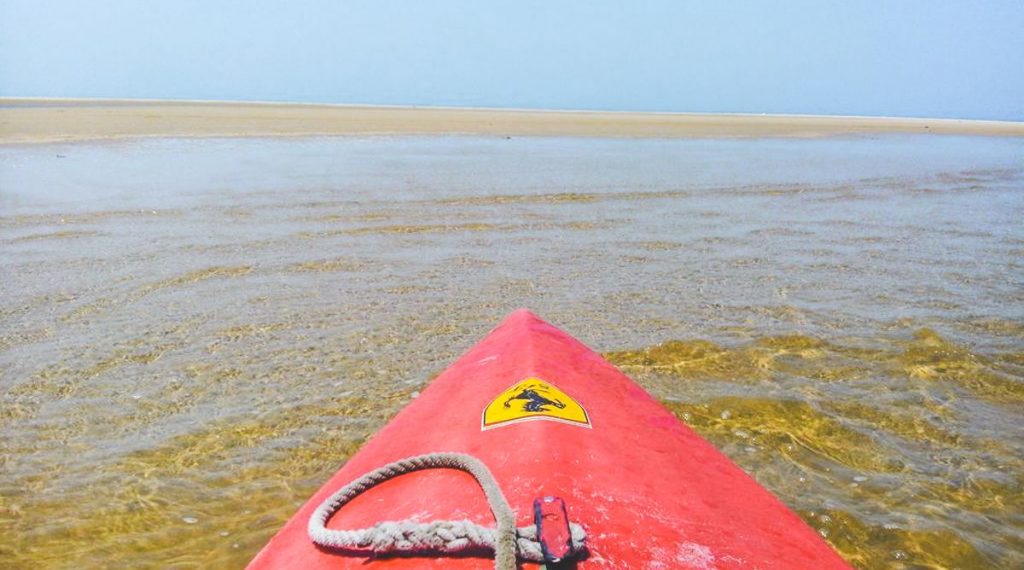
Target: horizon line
{"type": "Point", "coordinates": [269, 103]}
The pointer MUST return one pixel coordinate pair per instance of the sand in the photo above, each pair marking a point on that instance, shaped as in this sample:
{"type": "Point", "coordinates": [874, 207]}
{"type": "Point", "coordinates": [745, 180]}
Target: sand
{"type": "Point", "coordinates": [26, 121]}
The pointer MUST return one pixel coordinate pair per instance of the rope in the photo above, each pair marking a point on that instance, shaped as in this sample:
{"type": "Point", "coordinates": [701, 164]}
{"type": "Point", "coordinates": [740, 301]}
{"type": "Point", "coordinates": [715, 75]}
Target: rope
{"type": "Point", "coordinates": [444, 537]}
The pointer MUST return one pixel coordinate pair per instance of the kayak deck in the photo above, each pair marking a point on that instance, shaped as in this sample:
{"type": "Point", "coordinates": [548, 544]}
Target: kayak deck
{"type": "Point", "coordinates": [550, 417]}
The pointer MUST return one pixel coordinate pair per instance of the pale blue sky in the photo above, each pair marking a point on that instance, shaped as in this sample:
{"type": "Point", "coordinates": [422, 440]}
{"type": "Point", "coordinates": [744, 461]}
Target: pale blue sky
{"type": "Point", "coordinates": [936, 58]}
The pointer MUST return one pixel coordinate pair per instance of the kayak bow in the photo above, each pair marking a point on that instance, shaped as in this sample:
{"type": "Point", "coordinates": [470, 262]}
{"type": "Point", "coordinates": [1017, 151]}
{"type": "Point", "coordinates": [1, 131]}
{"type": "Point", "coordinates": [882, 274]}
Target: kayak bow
{"type": "Point", "coordinates": [564, 434]}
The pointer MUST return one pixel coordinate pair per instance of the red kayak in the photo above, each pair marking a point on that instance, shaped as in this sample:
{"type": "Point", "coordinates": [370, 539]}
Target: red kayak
{"type": "Point", "coordinates": [597, 473]}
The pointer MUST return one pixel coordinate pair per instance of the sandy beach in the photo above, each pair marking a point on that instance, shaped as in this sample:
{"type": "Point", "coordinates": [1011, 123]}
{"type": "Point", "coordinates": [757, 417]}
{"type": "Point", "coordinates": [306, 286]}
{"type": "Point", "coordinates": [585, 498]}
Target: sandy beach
{"type": "Point", "coordinates": [27, 121]}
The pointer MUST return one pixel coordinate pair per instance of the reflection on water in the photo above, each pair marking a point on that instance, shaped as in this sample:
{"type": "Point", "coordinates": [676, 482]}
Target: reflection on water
{"type": "Point", "coordinates": [195, 334]}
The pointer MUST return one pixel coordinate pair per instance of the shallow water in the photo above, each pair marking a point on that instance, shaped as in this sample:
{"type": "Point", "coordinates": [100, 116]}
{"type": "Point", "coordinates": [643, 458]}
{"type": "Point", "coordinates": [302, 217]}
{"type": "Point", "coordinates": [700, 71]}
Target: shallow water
{"type": "Point", "coordinates": [195, 333]}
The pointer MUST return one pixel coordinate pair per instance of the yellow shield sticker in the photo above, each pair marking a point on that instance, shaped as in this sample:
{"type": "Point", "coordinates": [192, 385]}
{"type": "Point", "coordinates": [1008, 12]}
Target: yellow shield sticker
{"type": "Point", "coordinates": [533, 399]}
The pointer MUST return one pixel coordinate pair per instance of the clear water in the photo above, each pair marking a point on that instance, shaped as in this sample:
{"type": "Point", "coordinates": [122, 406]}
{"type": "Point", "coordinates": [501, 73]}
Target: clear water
{"type": "Point", "coordinates": [194, 334]}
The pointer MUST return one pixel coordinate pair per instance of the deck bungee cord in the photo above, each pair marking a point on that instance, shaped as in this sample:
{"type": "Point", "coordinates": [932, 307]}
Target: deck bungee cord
{"type": "Point", "coordinates": [438, 537]}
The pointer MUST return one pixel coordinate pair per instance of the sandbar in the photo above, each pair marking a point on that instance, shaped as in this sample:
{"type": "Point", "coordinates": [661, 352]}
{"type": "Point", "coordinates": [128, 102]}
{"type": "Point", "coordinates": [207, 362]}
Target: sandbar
{"type": "Point", "coordinates": [30, 121]}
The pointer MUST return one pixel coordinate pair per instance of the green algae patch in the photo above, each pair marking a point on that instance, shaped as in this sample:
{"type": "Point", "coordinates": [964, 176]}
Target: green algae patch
{"type": "Point", "coordinates": [329, 266]}
{"type": "Point", "coordinates": [790, 428]}
{"type": "Point", "coordinates": [422, 229]}
{"type": "Point", "coordinates": [105, 304]}
{"type": "Point", "coordinates": [756, 361]}
{"type": "Point", "coordinates": [242, 332]}
{"type": "Point", "coordinates": [408, 229]}
{"type": "Point", "coordinates": [929, 356]}
{"type": "Point", "coordinates": [686, 359]}
{"type": "Point", "coordinates": [669, 354]}
{"type": "Point", "coordinates": [503, 199]}
{"type": "Point", "coordinates": [62, 235]}
{"type": "Point", "coordinates": [919, 545]}
{"type": "Point", "coordinates": [907, 425]}
{"type": "Point", "coordinates": [926, 356]}
{"type": "Point", "coordinates": [658, 245]}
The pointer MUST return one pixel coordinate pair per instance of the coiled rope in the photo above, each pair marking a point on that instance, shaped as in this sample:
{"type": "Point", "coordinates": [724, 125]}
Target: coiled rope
{"type": "Point", "coordinates": [437, 537]}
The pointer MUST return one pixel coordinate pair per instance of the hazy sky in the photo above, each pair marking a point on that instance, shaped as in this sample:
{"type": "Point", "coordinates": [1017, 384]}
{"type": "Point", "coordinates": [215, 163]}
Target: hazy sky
{"type": "Point", "coordinates": [940, 58]}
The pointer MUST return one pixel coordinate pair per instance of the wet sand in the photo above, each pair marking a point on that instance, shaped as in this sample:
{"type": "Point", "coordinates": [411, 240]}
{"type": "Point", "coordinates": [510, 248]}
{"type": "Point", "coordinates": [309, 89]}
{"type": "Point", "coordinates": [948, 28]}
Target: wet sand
{"type": "Point", "coordinates": [196, 333]}
{"type": "Point", "coordinates": [24, 121]}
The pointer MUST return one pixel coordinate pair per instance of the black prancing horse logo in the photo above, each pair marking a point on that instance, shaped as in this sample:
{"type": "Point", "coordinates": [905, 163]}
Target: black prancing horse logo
{"type": "Point", "coordinates": [534, 401]}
